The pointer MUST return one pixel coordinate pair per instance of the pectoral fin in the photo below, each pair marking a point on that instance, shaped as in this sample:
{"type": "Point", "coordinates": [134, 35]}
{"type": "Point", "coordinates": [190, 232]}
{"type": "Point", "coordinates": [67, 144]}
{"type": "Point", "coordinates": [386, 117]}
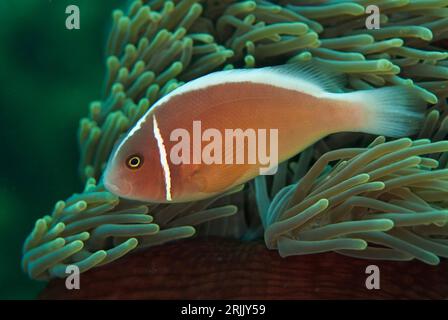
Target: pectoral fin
{"type": "Point", "coordinates": [217, 178]}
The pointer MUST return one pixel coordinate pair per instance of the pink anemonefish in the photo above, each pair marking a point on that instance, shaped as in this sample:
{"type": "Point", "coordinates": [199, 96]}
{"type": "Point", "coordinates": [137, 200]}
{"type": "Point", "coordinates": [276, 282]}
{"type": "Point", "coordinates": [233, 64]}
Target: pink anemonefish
{"type": "Point", "coordinates": [298, 100]}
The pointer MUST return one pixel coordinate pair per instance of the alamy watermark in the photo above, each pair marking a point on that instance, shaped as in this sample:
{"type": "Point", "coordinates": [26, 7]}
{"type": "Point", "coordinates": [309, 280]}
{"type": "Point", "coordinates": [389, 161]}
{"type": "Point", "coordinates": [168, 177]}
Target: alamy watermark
{"type": "Point", "coordinates": [72, 282]}
{"type": "Point", "coordinates": [73, 19]}
{"type": "Point", "coordinates": [373, 280]}
{"type": "Point", "coordinates": [233, 146]}
{"type": "Point", "coordinates": [373, 20]}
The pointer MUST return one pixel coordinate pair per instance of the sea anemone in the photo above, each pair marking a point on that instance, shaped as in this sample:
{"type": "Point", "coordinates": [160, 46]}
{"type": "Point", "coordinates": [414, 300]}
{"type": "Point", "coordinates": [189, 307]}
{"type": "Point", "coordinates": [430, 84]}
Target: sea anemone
{"type": "Point", "coordinates": [355, 194]}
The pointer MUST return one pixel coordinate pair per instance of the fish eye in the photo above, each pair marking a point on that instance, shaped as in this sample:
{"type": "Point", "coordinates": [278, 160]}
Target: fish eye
{"type": "Point", "coordinates": [134, 162]}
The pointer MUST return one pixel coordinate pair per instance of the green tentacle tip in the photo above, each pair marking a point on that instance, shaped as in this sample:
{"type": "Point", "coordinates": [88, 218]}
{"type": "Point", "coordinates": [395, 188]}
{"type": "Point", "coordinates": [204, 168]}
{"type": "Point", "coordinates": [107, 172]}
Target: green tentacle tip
{"type": "Point", "coordinates": [130, 244]}
{"type": "Point", "coordinates": [355, 244]}
{"type": "Point", "coordinates": [119, 251]}
{"type": "Point", "coordinates": [322, 204]}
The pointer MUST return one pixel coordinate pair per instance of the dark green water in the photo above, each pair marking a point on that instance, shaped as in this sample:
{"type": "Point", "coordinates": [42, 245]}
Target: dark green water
{"type": "Point", "coordinates": [48, 75]}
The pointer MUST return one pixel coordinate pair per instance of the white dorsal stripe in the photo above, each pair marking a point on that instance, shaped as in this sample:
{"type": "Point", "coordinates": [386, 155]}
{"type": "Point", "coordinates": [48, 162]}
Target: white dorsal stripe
{"type": "Point", "coordinates": [163, 158]}
{"type": "Point", "coordinates": [131, 132]}
{"type": "Point", "coordinates": [266, 76]}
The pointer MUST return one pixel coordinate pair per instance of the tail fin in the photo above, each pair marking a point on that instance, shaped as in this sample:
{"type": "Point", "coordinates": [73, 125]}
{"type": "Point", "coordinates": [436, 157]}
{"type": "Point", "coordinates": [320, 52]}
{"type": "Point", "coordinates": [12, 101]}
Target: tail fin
{"type": "Point", "coordinates": [396, 111]}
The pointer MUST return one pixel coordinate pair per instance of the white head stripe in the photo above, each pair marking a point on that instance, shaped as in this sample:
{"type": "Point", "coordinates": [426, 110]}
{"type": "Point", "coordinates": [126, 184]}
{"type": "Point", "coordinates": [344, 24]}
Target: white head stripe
{"type": "Point", "coordinates": [163, 158]}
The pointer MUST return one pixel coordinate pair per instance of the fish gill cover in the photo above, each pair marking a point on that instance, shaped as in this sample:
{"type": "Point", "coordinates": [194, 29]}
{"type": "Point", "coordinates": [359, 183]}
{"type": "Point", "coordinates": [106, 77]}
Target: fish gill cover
{"type": "Point", "coordinates": [355, 194]}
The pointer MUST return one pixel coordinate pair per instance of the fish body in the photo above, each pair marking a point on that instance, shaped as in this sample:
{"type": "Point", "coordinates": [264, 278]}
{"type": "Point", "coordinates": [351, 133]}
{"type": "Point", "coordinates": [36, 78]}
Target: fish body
{"type": "Point", "coordinates": [293, 102]}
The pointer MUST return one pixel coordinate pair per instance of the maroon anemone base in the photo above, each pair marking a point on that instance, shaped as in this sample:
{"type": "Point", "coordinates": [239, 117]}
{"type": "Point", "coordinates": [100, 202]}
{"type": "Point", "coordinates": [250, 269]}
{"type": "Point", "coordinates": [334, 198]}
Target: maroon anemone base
{"type": "Point", "coordinates": [218, 268]}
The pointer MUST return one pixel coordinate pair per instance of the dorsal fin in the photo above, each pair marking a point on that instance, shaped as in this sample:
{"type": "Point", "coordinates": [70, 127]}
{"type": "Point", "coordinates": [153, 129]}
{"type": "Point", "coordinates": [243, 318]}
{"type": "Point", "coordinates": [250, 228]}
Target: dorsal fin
{"type": "Point", "coordinates": [314, 73]}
